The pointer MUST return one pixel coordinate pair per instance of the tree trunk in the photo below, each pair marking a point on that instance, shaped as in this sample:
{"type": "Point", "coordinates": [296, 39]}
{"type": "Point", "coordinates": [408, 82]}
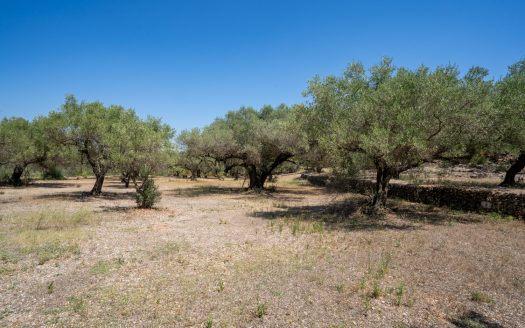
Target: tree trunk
{"type": "Point", "coordinates": [256, 180]}
{"type": "Point", "coordinates": [97, 188]}
{"type": "Point", "coordinates": [193, 176]}
{"type": "Point", "coordinates": [381, 188]}
{"type": "Point", "coordinates": [126, 178]}
{"type": "Point", "coordinates": [16, 176]}
{"type": "Point", "coordinates": [510, 176]}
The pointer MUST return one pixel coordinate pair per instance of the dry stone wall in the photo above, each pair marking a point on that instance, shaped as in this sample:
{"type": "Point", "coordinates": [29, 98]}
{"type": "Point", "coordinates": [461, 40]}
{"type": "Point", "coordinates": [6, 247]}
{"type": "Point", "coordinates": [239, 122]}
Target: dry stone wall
{"type": "Point", "coordinates": [461, 198]}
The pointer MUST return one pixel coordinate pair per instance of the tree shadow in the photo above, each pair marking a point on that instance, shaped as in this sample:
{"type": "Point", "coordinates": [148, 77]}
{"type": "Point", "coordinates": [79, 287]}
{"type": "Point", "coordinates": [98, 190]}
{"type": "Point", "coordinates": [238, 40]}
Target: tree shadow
{"type": "Point", "coordinates": [50, 185]}
{"type": "Point", "coordinates": [347, 215]}
{"type": "Point", "coordinates": [474, 320]}
{"type": "Point", "coordinates": [224, 190]}
{"type": "Point", "coordinates": [343, 215]}
{"type": "Point", "coordinates": [116, 208]}
{"type": "Point", "coordinates": [429, 214]}
{"type": "Point", "coordinates": [205, 191]}
{"type": "Point", "coordinates": [117, 185]}
{"type": "Point", "coordinates": [82, 196]}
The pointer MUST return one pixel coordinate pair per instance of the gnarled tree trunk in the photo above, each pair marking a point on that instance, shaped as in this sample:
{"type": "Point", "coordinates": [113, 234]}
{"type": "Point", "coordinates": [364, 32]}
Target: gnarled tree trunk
{"type": "Point", "coordinates": [383, 176]}
{"type": "Point", "coordinates": [126, 177]}
{"type": "Point", "coordinates": [16, 176]}
{"type": "Point", "coordinates": [97, 188]}
{"type": "Point", "coordinates": [259, 176]}
{"type": "Point", "coordinates": [510, 176]}
{"type": "Point", "coordinates": [257, 180]}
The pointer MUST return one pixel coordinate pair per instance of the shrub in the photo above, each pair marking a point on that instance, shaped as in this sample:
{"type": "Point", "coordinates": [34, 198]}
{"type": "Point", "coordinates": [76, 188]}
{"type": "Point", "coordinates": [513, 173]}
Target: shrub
{"type": "Point", "coordinates": [53, 173]}
{"type": "Point", "coordinates": [147, 194]}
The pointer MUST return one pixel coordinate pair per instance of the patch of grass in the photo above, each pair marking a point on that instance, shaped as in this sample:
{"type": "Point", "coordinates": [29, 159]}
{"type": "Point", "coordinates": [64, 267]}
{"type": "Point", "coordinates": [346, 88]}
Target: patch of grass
{"type": "Point", "coordinates": [47, 234]}
{"type": "Point", "coordinates": [52, 249]}
{"type": "Point", "coordinates": [77, 304]}
{"type": "Point", "coordinates": [377, 291]}
{"type": "Point", "coordinates": [166, 249]}
{"type": "Point", "coordinates": [261, 310]}
{"type": "Point", "coordinates": [519, 282]}
{"type": "Point", "coordinates": [102, 267]}
{"type": "Point", "coordinates": [493, 216]}
{"type": "Point", "coordinates": [299, 225]}
{"type": "Point", "coordinates": [280, 204]}
{"type": "Point", "coordinates": [5, 312]}
{"type": "Point", "coordinates": [399, 292]}
{"type": "Point", "coordinates": [481, 297]}
{"type": "Point", "coordinates": [8, 256]}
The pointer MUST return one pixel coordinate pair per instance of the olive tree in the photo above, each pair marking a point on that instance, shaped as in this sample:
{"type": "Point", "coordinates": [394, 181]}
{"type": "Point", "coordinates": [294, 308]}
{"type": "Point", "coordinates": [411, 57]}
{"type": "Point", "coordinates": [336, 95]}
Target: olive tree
{"type": "Point", "coordinates": [22, 143]}
{"type": "Point", "coordinates": [96, 132]}
{"type": "Point", "coordinates": [509, 123]}
{"type": "Point", "coordinates": [192, 156]}
{"type": "Point", "coordinates": [257, 140]}
{"type": "Point", "coordinates": [394, 119]}
{"type": "Point", "coordinates": [145, 150]}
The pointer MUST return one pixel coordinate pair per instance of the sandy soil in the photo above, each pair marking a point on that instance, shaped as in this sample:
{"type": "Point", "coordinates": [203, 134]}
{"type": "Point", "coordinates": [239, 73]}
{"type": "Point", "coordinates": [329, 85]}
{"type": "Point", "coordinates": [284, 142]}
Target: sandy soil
{"type": "Point", "coordinates": [213, 255]}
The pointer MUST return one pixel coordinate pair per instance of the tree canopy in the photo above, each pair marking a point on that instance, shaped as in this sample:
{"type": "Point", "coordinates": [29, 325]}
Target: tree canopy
{"type": "Point", "coordinates": [393, 118]}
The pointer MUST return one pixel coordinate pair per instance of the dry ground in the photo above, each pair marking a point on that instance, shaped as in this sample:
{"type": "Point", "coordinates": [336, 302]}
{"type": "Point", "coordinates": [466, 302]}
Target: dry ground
{"type": "Point", "coordinates": [213, 255]}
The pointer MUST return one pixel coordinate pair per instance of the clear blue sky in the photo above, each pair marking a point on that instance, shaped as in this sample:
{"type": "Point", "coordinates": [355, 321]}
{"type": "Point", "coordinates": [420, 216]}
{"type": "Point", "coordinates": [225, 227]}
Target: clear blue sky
{"type": "Point", "coordinates": [191, 61]}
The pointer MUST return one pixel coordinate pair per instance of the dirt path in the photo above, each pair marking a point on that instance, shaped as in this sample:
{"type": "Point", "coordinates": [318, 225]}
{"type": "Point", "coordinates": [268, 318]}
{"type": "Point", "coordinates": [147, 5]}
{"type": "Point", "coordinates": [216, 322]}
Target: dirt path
{"type": "Point", "coordinates": [215, 255]}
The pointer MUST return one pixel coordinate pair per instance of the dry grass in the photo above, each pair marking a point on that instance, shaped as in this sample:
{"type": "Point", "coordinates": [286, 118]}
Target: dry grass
{"type": "Point", "coordinates": [212, 255]}
{"type": "Point", "coordinates": [46, 234]}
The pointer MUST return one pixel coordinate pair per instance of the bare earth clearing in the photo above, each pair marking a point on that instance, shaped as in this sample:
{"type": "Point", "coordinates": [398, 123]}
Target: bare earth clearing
{"type": "Point", "coordinates": [214, 255]}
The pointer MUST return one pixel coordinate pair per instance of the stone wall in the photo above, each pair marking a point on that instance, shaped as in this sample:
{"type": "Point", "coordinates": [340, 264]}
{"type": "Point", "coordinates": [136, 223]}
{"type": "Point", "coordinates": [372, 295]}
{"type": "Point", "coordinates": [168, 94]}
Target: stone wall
{"type": "Point", "coordinates": [461, 198]}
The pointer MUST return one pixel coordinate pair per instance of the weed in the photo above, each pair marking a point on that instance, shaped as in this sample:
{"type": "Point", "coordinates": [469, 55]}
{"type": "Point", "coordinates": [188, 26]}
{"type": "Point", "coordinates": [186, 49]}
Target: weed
{"type": "Point", "coordinates": [223, 221]}
{"type": "Point", "coordinates": [481, 297]}
{"type": "Point", "coordinates": [399, 292]}
{"type": "Point", "coordinates": [220, 287]}
{"type": "Point", "coordinates": [384, 265]}
{"type": "Point", "coordinates": [367, 302]}
{"type": "Point", "coordinates": [260, 311]}
{"type": "Point", "coordinates": [51, 287]}
{"type": "Point", "coordinates": [340, 287]}
{"type": "Point", "coordinates": [376, 290]}
{"type": "Point", "coordinates": [209, 323]}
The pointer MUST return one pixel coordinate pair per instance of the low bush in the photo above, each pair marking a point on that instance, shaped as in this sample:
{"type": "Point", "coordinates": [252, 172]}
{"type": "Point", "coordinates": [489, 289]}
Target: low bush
{"type": "Point", "coordinates": [147, 194]}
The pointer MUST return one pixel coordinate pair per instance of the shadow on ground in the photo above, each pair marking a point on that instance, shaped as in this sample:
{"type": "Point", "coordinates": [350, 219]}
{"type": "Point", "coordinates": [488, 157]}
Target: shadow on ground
{"type": "Point", "coordinates": [82, 196]}
{"type": "Point", "coordinates": [348, 215]}
{"type": "Point", "coordinates": [216, 190]}
{"type": "Point", "coordinates": [474, 320]}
